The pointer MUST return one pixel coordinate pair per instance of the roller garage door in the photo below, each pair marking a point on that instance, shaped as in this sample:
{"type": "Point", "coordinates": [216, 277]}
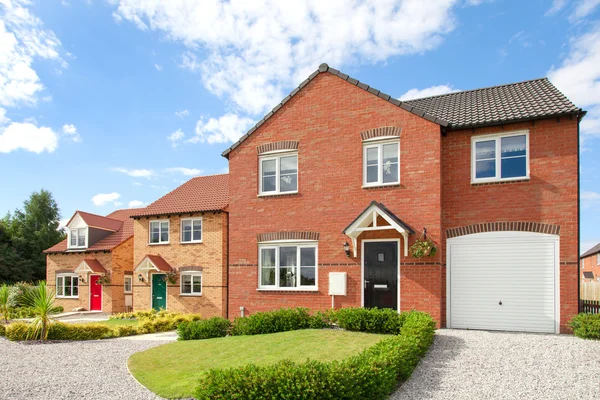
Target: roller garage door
{"type": "Point", "coordinates": [503, 281]}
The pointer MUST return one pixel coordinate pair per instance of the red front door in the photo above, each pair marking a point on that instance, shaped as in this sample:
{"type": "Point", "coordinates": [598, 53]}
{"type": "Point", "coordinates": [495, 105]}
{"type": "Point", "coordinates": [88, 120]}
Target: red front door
{"type": "Point", "coordinates": [95, 294]}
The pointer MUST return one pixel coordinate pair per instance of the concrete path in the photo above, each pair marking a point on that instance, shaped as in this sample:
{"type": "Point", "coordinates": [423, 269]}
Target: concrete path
{"type": "Point", "coordinates": [500, 365]}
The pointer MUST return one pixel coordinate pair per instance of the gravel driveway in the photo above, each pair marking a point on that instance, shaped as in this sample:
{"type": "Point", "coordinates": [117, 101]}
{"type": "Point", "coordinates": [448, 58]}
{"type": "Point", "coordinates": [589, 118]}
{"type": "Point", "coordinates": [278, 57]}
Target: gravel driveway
{"type": "Point", "coordinates": [76, 370]}
{"type": "Point", "coordinates": [500, 365]}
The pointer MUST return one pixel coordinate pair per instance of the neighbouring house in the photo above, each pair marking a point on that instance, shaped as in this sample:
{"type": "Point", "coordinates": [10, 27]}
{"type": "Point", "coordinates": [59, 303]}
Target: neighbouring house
{"type": "Point", "coordinates": [590, 265]}
{"type": "Point", "coordinates": [92, 268]}
{"type": "Point", "coordinates": [180, 249]}
{"type": "Point", "coordinates": [330, 190]}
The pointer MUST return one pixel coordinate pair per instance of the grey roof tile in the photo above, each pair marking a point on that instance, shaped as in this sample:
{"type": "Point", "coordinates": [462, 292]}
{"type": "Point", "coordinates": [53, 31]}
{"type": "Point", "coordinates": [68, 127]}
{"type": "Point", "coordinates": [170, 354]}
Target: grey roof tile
{"type": "Point", "coordinates": [592, 251]}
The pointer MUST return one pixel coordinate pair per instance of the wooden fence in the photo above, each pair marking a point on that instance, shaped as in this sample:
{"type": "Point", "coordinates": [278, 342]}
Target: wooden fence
{"type": "Point", "coordinates": [590, 291]}
{"type": "Point", "coordinates": [589, 306]}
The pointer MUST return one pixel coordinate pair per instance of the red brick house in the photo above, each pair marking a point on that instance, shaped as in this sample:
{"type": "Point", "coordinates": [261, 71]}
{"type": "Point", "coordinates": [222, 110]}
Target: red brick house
{"type": "Point", "coordinates": [590, 265]}
{"type": "Point", "coordinates": [331, 188]}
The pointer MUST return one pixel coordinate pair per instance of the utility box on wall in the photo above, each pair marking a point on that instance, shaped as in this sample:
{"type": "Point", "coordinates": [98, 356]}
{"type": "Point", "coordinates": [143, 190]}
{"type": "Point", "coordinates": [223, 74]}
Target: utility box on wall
{"type": "Point", "coordinates": [337, 283]}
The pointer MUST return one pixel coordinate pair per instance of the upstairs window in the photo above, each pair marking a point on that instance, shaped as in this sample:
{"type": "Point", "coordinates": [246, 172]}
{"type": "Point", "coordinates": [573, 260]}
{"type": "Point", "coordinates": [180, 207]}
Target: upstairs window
{"type": "Point", "coordinates": [598, 259]}
{"type": "Point", "coordinates": [159, 231]}
{"type": "Point", "coordinates": [288, 266]}
{"type": "Point", "coordinates": [500, 157]}
{"type": "Point", "coordinates": [77, 237]}
{"type": "Point", "coordinates": [67, 286]}
{"type": "Point", "coordinates": [278, 174]}
{"type": "Point", "coordinates": [191, 230]}
{"type": "Point", "coordinates": [381, 163]}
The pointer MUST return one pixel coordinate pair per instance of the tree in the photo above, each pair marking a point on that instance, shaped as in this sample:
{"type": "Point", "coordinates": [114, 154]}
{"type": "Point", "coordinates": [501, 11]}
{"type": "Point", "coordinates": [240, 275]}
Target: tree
{"type": "Point", "coordinates": [13, 268]}
{"type": "Point", "coordinates": [35, 229]}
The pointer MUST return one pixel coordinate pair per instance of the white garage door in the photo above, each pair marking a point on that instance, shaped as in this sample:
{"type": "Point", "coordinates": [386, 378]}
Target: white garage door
{"type": "Point", "coordinates": [503, 281]}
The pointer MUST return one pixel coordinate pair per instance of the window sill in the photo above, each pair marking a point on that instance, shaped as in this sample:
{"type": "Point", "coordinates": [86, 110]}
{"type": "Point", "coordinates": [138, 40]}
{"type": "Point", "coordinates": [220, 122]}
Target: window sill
{"type": "Point", "coordinates": [190, 295]}
{"type": "Point", "coordinates": [500, 181]}
{"type": "Point", "coordinates": [193, 242]}
{"type": "Point", "coordinates": [67, 297]}
{"type": "Point", "coordinates": [383, 185]}
{"type": "Point", "coordinates": [158, 244]}
{"type": "Point", "coordinates": [293, 290]}
{"type": "Point", "coordinates": [278, 194]}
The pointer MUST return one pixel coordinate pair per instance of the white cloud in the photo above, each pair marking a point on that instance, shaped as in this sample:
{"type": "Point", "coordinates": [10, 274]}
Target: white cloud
{"type": "Point", "coordinates": [136, 204]}
{"type": "Point", "coordinates": [185, 171]}
{"type": "Point", "coordinates": [105, 198]}
{"type": "Point", "coordinates": [226, 128]}
{"type": "Point", "coordinates": [26, 136]}
{"type": "Point", "coordinates": [136, 173]}
{"type": "Point", "coordinates": [430, 91]}
{"type": "Point", "coordinates": [557, 5]}
{"type": "Point", "coordinates": [182, 114]}
{"type": "Point", "coordinates": [578, 77]}
{"type": "Point", "coordinates": [70, 130]}
{"type": "Point", "coordinates": [589, 199]}
{"type": "Point", "coordinates": [137, 184]}
{"type": "Point", "coordinates": [3, 118]}
{"type": "Point", "coordinates": [158, 67]}
{"type": "Point", "coordinates": [253, 52]}
{"type": "Point", "coordinates": [582, 9]}
{"type": "Point", "coordinates": [176, 137]}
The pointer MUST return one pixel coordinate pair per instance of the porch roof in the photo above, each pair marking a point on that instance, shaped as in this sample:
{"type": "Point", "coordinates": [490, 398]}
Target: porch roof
{"type": "Point", "coordinates": [153, 262]}
{"type": "Point", "coordinates": [90, 265]}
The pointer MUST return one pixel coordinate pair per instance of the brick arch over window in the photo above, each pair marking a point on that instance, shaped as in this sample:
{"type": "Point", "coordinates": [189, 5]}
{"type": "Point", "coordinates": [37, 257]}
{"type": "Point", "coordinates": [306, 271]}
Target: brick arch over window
{"type": "Point", "coordinates": [297, 235]}
{"type": "Point", "coordinates": [382, 131]}
{"type": "Point", "coordinates": [284, 145]}
{"type": "Point", "coordinates": [503, 226]}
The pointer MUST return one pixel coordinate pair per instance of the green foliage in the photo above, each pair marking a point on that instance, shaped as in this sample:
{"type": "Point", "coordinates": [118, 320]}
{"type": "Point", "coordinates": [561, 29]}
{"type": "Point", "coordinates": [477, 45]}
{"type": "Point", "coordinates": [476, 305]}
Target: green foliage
{"type": "Point", "coordinates": [284, 319]}
{"type": "Point", "coordinates": [372, 320]}
{"type": "Point", "coordinates": [373, 374]}
{"type": "Point", "coordinates": [152, 314]}
{"type": "Point", "coordinates": [31, 231]}
{"type": "Point", "coordinates": [586, 326]}
{"type": "Point", "coordinates": [204, 329]}
{"type": "Point", "coordinates": [41, 300]}
{"type": "Point", "coordinates": [5, 307]}
{"type": "Point", "coordinates": [59, 331]}
{"type": "Point", "coordinates": [2, 330]}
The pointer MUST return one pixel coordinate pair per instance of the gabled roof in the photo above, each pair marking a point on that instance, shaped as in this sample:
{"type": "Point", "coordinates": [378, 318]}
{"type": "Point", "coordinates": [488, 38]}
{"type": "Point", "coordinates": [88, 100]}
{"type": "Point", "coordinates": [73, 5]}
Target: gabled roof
{"type": "Point", "coordinates": [494, 105]}
{"type": "Point", "coordinates": [124, 232]}
{"type": "Point", "coordinates": [90, 265]}
{"type": "Point", "coordinates": [97, 221]}
{"type": "Point", "coordinates": [592, 251]}
{"type": "Point", "coordinates": [527, 100]}
{"type": "Point", "coordinates": [203, 193]}
{"type": "Point", "coordinates": [154, 262]}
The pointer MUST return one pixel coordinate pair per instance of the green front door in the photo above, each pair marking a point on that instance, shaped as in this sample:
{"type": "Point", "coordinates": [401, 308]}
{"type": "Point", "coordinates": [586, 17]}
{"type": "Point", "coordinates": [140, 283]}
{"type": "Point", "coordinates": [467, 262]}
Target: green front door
{"type": "Point", "coordinates": [159, 292]}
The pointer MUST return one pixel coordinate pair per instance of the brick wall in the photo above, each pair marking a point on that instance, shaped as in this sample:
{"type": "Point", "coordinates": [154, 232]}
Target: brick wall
{"type": "Point", "coordinates": [550, 196]}
{"type": "Point", "coordinates": [331, 194]}
{"type": "Point", "coordinates": [210, 255]}
{"type": "Point", "coordinates": [589, 264]}
{"type": "Point", "coordinates": [122, 261]}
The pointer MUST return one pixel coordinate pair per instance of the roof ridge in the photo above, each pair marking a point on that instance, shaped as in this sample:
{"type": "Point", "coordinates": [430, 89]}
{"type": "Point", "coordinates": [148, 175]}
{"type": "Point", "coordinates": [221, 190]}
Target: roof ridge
{"type": "Point", "coordinates": [477, 89]}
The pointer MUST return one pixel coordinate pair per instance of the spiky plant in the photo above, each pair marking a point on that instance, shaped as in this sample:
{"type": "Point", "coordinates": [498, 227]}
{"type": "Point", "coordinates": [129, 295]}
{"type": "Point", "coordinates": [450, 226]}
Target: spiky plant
{"type": "Point", "coordinates": [42, 302]}
{"type": "Point", "coordinates": [4, 303]}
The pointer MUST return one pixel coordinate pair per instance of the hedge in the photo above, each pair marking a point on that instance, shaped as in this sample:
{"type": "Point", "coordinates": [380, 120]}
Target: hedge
{"type": "Point", "coordinates": [586, 326]}
{"type": "Point", "coordinates": [373, 374]}
{"type": "Point", "coordinates": [282, 320]}
{"type": "Point", "coordinates": [2, 330]}
{"type": "Point", "coordinates": [372, 320]}
{"type": "Point", "coordinates": [211, 328]}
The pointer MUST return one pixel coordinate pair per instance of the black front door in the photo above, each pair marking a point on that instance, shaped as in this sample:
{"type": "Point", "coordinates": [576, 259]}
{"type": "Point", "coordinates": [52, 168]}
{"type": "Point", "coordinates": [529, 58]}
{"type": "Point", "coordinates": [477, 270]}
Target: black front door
{"type": "Point", "coordinates": [381, 274]}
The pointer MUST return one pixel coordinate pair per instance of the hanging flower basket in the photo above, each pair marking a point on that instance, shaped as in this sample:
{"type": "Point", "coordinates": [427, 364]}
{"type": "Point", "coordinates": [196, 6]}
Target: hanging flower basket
{"type": "Point", "coordinates": [170, 277]}
{"type": "Point", "coordinates": [104, 280]}
{"type": "Point", "coordinates": [423, 247]}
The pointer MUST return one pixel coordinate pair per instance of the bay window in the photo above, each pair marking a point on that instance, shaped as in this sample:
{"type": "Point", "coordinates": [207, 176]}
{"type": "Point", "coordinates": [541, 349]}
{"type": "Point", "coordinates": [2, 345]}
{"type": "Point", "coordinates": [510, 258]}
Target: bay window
{"type": "Point", "coordinates": [278, 174]}
{"type": "Point", "coordinates": [288, 266]}
{"type": "Point", "coordinates": [67, 286]}
{"type": "Point", "coordinates": [501, 157]}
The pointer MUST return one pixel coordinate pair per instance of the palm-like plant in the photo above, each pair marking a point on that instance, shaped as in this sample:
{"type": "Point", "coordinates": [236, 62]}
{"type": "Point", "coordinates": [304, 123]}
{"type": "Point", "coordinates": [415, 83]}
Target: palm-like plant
{"type": "Point", "coordinates": [42, 302]}
{"type": "Point", "coordinates": [4, 304]}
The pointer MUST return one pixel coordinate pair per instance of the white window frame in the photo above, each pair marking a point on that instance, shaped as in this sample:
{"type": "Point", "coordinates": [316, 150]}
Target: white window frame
{"type": "Point", "coordinates": [379, 143]}
{"type": "Point", "coordinates": [192, 274]}
{"type": "Point", "coordinates": [64, 276]}
{"type": "Point", "coordinates": [160, 221]}
{"type": "Point", "coordinates": [85, 245]}
{"type": "Point", "coordinates": [299, 245]}
{"type": "Point", "coordinates": [192, 219]}
{"type": "Point", "coordinates": [277, 157]}
{"type": "Point", "coordinates": [130, 279]}
{"type": "Point", "coordinates": [497, 137]}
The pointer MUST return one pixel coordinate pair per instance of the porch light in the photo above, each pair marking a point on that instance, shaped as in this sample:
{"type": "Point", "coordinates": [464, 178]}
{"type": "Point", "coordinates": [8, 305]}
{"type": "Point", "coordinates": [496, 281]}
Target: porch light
{"type": "Point", "coordinates": [81, 279]}
{"type": "Point", "coordinates": [140, 277]}
{"type": "Point", "coordinates": [347, 249]}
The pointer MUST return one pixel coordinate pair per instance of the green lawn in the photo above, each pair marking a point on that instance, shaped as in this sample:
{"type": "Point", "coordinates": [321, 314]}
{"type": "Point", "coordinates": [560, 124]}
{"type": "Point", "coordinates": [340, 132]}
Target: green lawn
{"type": "Point", "coordinates": [173, 370]}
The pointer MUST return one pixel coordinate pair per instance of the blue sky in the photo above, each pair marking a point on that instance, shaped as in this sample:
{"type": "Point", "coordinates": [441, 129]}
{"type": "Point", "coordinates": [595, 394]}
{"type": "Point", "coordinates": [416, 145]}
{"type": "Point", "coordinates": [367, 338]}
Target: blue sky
{"type": "Point", "coordinates": [110, 104]}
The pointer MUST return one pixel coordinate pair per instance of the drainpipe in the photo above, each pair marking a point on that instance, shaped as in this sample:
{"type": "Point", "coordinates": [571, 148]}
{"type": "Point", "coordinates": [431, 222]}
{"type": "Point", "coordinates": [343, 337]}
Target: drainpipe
{"type": "Point", "coordinates": [227, 270]}
{"type": "Point", "coordinates": [579, 117]}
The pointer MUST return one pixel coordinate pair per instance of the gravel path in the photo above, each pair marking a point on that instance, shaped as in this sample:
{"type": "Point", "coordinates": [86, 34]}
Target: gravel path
{"type": "Point", "coordinates": [76, 370]}
{"type": "Point", "coordinates": [499, 365]}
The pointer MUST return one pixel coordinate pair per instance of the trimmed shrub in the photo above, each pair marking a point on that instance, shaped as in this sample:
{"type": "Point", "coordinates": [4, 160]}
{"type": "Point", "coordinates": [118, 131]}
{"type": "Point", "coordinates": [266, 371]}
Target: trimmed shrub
{"type": "Point", "coordinates": [282, 320]}
{"type": "Point", "coordinates": [2, 330]}
{"type": "Point", "coordinates": [372, 320]}
{"type": "Point", "coordinates": [166, 322]}
{"type": "Point", "coordinates": [210, 328]}
{"type": "Point", "coordinates": [373, 374]}
{"type": "Point", "coordinates": [126, 330]}
{"type": "Point", "coordinates": [59, 331]}
{"type": "Point", "coordinates": [586, 326]}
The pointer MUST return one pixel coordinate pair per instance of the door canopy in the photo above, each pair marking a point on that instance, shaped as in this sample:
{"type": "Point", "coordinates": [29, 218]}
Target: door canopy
{"type": "Point", "coordinates": [376, 217]}
{"type": "Point", "coordinates": [153, 263]}
{"type": "Point", "coordinates": [90, 265]}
